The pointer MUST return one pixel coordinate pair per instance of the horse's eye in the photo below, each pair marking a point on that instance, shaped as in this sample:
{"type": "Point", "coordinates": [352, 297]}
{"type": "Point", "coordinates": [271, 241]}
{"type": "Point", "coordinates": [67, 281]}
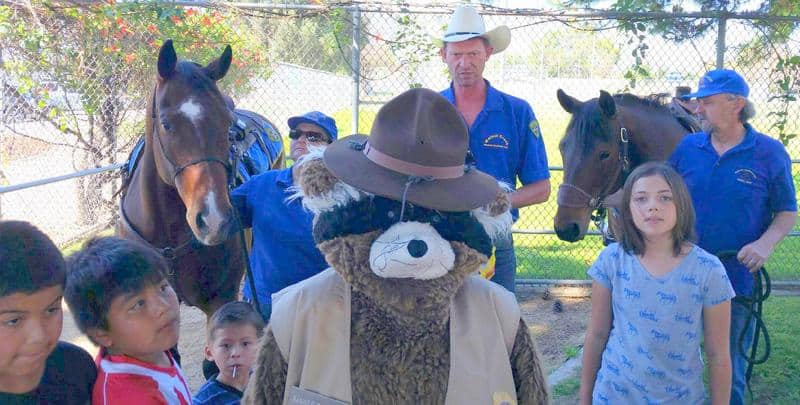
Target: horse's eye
{"type": "Point", "coordinates": [165, 124]}
{"type": "Point", "coordinates": [604, 155]}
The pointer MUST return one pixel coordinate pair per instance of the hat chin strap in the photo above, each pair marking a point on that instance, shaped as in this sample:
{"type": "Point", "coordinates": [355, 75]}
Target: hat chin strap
{"type": "Point", "coordinates": [409, 168]}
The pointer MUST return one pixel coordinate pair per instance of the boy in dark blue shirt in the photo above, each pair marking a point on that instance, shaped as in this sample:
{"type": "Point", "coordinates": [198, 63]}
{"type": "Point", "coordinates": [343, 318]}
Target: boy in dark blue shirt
{"type": "Point", "coordinates": [232, 335]}
{"type": "Point", "coordinates": [33, 363]}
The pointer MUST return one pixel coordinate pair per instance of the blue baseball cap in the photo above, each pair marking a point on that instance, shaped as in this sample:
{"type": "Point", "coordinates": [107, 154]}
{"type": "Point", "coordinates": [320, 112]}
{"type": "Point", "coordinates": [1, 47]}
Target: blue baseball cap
{"type": "Point", "coordinates": [720, 81]}
{"type": "Point", "coordinates": [315, 117]}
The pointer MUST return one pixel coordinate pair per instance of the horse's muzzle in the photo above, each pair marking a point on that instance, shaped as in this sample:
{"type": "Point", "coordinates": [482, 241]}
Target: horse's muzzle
{"type": "Point", "coordinates": [571, 232]}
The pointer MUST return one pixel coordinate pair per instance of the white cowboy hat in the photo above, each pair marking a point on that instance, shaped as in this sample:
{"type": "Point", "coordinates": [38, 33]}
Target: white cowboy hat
{"type": "Point", "coordinates": [466, 23]}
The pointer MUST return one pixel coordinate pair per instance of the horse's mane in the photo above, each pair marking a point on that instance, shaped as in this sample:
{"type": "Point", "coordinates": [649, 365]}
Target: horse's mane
{"type": "Point", "coordinates": [655, 101]}
{"type": "Point", "coordinates": [589, 127]}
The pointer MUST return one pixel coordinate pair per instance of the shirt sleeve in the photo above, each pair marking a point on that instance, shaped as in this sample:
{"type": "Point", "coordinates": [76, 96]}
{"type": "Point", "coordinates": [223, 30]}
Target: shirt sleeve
{"type": "Point", "coordinates": [602, 268]}
{"type": "Point", "coordinates": [240, 202]}
{"type": "Point", "coordinates": [533, 162]}
{"type": "Point", "coordinates": [718, 287]}
{"type": "Point", "coordinates": [782, 195]}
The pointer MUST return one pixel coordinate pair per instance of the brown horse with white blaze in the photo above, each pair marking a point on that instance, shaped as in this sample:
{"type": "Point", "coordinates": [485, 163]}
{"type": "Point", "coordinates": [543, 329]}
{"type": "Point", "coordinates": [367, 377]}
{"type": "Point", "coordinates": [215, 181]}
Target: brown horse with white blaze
{"type": "Point", "coordinates": [177, 198]}
{"type": "Point", "coordinates": [606, 138]}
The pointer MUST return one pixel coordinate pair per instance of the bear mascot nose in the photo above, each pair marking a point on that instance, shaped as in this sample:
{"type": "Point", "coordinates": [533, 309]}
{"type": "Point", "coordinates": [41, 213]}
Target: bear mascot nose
{"type": "Point", "coordinates": [417, 248]}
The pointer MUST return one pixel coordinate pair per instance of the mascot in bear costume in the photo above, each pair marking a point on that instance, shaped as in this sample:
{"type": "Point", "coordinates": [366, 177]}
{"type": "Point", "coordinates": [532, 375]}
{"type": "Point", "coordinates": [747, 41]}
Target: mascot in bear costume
{"type": "Point", "coordinates": [401, 316]}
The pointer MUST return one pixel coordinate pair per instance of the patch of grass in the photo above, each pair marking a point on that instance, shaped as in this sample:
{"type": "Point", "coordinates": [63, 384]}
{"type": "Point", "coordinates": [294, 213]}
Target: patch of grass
{"type": "Point", "coordinates": [572, 351]}
{"type": "Point", "coordinates": [75, 246]}
{"type": "Point", "coordinates": [776, 381]}
{"type": "Point", "coordinates": [566, 391]}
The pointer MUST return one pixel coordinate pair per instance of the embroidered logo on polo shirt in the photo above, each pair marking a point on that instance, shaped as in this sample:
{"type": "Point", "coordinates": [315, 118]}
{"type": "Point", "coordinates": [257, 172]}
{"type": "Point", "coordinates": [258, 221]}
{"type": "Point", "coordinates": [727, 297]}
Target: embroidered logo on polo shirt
{"type": "Point", "coordinates": [534, 126]}
{"type": "Point", "coordinates": [496, 141]}
{"type": "Point", "coordinates": [746, 176]}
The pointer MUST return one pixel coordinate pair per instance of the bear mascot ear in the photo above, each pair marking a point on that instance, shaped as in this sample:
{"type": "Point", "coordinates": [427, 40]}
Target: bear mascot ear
{"type": "Point", "coordinates": [495, 216]}
{"type": "Point", "coordinates": [319, 189]}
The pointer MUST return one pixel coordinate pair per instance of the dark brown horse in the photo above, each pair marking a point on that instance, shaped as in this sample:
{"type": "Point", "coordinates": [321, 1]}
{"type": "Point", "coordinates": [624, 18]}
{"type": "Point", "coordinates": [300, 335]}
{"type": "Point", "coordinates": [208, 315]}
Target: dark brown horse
{"type": "Point", "coordinates": [605, 139]}
{"type": "Point", "coordinates": [177, 197]}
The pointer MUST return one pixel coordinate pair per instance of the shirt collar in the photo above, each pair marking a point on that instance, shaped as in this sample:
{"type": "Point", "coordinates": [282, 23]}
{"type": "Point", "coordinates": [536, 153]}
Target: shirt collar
{"type": "Point", "coordinates": [494, 101]}
{"type": "Point", "coordinates": [747, 142]}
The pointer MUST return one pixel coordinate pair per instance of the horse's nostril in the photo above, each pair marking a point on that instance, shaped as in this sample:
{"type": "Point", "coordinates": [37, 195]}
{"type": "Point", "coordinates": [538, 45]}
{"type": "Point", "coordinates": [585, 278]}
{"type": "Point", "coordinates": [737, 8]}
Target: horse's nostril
{"type": "Point", "coordinates": [201, 223]}
{"type": "Point", "coordinates": [417, 248]}
{"type": "Point", "coordinates": [568, 233]}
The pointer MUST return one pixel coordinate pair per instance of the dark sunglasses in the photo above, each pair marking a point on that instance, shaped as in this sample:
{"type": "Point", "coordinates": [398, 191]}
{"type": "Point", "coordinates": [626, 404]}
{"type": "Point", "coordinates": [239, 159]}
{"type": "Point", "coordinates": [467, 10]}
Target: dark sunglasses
{"type": "Point", "coordinates": [311, 136]}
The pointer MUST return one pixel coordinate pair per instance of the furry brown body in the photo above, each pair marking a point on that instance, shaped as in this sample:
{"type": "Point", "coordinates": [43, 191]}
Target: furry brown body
{"type": "Point", "coordinates": [399, 335]}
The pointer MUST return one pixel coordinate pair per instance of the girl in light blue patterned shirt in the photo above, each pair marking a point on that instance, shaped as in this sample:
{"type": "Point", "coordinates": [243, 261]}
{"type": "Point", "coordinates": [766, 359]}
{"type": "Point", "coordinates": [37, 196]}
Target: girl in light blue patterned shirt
{"type": "Point", "coordinates": [655, 297]}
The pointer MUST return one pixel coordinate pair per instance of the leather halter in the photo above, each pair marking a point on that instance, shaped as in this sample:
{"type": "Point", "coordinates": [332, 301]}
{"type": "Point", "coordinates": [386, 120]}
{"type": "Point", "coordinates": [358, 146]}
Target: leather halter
{"type": "Point", "coordinates": [170, 253]}
{"type": "Point", "coordinates": [572, 196]}
{"type": "Point", "coordinates": [176, 170]}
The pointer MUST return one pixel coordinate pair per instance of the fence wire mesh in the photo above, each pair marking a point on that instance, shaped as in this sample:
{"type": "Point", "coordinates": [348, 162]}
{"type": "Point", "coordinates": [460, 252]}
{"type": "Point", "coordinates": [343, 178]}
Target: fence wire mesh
{"type": "Point", "coordinates": [76, 81]}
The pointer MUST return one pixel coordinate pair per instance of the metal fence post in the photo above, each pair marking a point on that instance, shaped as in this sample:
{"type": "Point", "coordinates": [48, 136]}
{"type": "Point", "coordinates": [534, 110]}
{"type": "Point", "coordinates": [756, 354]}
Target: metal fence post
{"type": "Point", "coordinates": [356, 63]}
{"type": "Point", "coordinates": [721, 30]}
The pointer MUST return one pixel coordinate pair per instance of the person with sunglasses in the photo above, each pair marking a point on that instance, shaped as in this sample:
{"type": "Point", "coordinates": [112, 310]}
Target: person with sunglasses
{"type": "Point", "coordinates": [283, 250]}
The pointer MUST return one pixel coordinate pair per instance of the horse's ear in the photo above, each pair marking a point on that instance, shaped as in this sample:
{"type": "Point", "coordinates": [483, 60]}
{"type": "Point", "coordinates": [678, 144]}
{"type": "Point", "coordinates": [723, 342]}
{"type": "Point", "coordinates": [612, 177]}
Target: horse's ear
{"type": "Point", "coordinates": [167, 59]}
{"type": "Point", "coordinates": [607, 104]}
{"type": "Point", "coordinates": [219, 67]}
{"type": "Point", "coordinates": [568, 103]}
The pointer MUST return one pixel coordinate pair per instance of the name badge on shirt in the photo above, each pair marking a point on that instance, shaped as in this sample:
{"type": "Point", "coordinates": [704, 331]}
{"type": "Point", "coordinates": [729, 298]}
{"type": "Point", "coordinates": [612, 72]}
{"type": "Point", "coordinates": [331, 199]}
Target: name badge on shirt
{"type": "Point", "coordinates": [299, 396]}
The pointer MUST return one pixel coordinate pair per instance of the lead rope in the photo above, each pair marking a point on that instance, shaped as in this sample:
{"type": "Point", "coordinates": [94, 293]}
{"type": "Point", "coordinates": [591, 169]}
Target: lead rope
{"type": "Point", "coordinates": [762, 288]}
{"type": "Point", "coordinates": [236, 153]}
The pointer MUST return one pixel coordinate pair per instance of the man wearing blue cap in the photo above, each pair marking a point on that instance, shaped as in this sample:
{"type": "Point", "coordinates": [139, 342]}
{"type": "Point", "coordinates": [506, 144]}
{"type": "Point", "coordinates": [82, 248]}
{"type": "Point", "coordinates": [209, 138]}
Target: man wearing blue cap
{"type": "Point", "coordinates": [743, 195]}
{"type": "Point", "coordinates": [283, 250]}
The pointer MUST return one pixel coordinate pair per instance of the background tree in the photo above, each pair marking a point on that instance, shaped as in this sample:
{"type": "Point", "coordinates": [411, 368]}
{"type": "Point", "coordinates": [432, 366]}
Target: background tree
{"type": "Point", "coordinates": [88, 69]}
{"type": "Point", "coordinates": [766, 48]}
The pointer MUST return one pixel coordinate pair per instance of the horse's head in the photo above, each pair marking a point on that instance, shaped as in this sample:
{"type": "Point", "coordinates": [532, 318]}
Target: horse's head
{"type": "Point", "coordinates": [592, 156]}
{"type": "Point", "coordinates": [187, 126]}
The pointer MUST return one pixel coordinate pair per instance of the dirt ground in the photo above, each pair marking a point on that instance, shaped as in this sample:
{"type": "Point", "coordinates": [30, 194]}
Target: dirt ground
{"type": "Point", "coordinates": [553, 332]}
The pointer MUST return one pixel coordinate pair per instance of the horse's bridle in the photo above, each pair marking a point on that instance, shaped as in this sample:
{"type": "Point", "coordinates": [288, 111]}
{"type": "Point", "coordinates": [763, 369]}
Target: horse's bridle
{"type": "Point", "coordinates": [171, 252]}
{"type": "Point", "coordinates": [572, 196]}
{"type": "Point", "coordinates": [177, 170]}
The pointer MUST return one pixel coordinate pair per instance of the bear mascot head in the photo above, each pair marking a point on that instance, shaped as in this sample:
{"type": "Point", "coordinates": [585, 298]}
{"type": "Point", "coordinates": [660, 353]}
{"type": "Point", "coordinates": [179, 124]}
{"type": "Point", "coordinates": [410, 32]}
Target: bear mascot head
{"type": "Point", "coordinates": [401, 316]}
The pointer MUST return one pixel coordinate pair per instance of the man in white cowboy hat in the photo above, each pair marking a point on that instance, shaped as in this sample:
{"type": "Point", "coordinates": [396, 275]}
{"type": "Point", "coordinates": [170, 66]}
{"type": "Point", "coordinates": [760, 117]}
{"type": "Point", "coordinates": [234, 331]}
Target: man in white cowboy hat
{"type": "Point", "coordinates": [505, 139]}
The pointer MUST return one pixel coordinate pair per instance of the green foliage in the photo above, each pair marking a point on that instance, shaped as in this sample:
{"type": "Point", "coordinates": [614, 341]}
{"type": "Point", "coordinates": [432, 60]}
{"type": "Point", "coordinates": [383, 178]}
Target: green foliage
{"type": "Point", "coordinates": [412, 46]}
{"type": "Point", "coordinates": [99, 59]}
{"type": "Point", "coordinates": [324, 38]}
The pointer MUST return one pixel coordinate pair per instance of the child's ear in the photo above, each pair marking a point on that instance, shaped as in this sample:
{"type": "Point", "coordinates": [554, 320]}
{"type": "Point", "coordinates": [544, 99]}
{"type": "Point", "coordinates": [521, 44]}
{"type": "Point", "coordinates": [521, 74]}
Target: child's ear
{"type": "Point", "coordinates": [100, 336]}
{"type": "Point", "coordinates": [209, 355]}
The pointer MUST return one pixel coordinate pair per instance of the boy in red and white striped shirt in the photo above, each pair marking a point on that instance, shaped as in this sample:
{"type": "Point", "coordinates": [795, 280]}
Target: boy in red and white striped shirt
{"type": "Point", "coordinates": [120, 297]}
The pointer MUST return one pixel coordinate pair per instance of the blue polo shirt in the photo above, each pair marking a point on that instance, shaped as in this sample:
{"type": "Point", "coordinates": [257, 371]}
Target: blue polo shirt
{"type": "Point", "coordinates": [284, 251]}
{"type": "Point", "coordinates": [505, 139]}
{"type": "Point", "coordinates": [735, 195]}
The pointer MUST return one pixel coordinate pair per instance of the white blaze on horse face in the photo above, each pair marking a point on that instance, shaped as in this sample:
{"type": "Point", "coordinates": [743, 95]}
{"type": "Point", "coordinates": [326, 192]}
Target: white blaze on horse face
{"type": "Point", "coordinates": [192, 110]}
{"type": "Point", "coordinates": [411, 250]}
{"type": "Point", "coordinates": [214, 219]}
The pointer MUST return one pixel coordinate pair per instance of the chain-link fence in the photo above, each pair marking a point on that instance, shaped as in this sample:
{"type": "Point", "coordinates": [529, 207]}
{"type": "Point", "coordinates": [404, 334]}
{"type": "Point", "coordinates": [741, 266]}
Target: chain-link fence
{"type": "Point", "coordinates": [74, 92]}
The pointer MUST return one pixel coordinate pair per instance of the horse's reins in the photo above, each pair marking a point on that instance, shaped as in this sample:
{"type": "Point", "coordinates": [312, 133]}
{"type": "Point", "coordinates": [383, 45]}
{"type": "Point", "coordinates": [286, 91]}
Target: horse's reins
{"type": "Point", "coordinates": [572, 196]}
